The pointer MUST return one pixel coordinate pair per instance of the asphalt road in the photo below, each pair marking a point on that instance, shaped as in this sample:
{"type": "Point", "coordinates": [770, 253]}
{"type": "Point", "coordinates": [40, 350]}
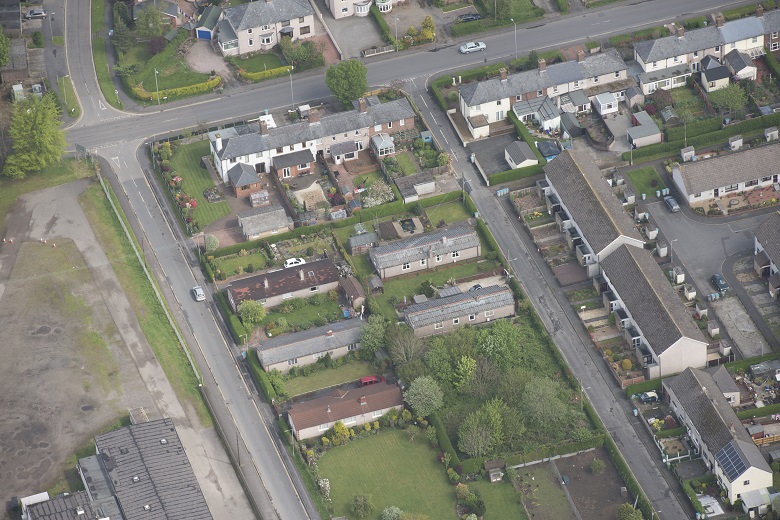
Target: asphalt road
{"type": "Point", "coordinates": [117, 136]}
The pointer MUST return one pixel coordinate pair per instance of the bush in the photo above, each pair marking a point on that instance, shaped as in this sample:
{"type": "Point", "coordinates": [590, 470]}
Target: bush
{"type": "Point", "coordinates": [174, 93]}
{"type": "Point", "coordinates": [235, 326]}
{"type": "Point", "coordinates": [361, 506]}
{"type": "Point", "coordinates": [444, 440]}
{"type": "Point", "coordinates": [702, 126]}
{"type": "Point", "coordinates": [263, 74]}
{"type": "Point", "coordinates": [37, 39]}
{"type": "Point", "coordinates": [261, 377]}
{"type": "Point", "coordinates": [597, 466]}
{"type": "Point", "coordinates": [626, 364]}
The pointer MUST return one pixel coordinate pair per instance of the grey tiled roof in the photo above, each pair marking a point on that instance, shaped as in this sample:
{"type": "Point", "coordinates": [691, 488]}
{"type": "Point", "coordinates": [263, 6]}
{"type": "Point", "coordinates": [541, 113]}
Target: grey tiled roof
{"type": "Point", "coordinates": [256, 14]}
{"type": "Point", "coordinates": [478, 92]}
{"type": "Point", "coordinates": [738, 60]}
{"type": "Point", "coordinates": [225, 32]}
{"type": "Point", "coordinates": [741, 29]}
{"type": "Point", "coordinates": [710, 62]}
{"type": "Point", "coordinates": [293, 159]}
{"type": "Point", "coordinates": [589, 199]}
{"type": "Point", "coordinates": [519, 151]}
{"type": "Point", "coordinates": [406, 184]}
{"type": "Point", "coordinates": [768, 233]}
{"type": "Point", "coordinates": [309, 342]}
{"type": "Point", "coordinates": [648, 296]}
{"type": "Point", "coordinates": [363, 239]}
{"type": "Point", "coordinates": [715, 73]}
{"type": "Point", "coordinates": [723, 379]}
{"type": "Point", "coordinates": [458, 305]}
{"type": "Point", "coordinates": [771, 21]}
{"type": "Point", "coordinates": [166, 482]}
{"type": "Point", "coordinates": [210, 17]}
{"type": "Point", "coordinates": [543, 105]}
{"type": "Point", "coordinates": [439, 242]}
{"type": "Point", "coordinates": [242, 175]}
{"type": "Point", "coordinates": [265, 218]}
{"type": "Point", "coordinates": [707, 174]}
{"type": "Point", "coordinates": [343, 147]}
{"type": "Point", "coordinates": [670, 46]}
{"type": "Point", "coordinates": [247, 139]}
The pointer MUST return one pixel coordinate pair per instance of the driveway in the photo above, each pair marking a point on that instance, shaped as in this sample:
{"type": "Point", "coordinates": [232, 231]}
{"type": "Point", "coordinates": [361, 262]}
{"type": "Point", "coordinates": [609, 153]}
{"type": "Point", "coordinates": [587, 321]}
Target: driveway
{"type": "Point", "coordinates": [202, 58]}
{"type": "Point", "coordinates": [353, 34]}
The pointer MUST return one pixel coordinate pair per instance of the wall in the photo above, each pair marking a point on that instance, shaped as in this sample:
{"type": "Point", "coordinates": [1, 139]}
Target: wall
{"type": "Point", "coordinates": [684, 353]}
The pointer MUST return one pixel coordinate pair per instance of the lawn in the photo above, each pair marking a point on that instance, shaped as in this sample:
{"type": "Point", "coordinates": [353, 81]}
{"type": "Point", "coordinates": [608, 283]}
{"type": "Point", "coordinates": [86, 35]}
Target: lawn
{"type": "Point", "coordinates": [501, 500]}
{"type": "Point", "coordinates": [258, 62]}
{"type": "Point", "coordinates": [328, 377]}
{"type": "Point", "coordinates": [642, 180]}
{"type": "Point", "coordinates": [258, 259]}
{"type": "Point", "coordinates": [363, 266]}
{"type": "Point", "coordinates": [306, 314]}
{"type": "Point", "coordinates": [367, 178]}
{"type": "Point", "coordinates": [186, 163]}
{"type": "Point", "coordinates": [141, 295]}
{"type": "Point", "coordinates": [54, 175]}
{"type": "Point", "coordinates": [98, 10]}
{"type": "Point", "coordinates": [686, 96]}
{"type": "Point", "coordinates": [172, 68]}
{"type": "Point", "coordinates": [406, 164]}
{"type": "Point", "coordinates": [450, 212]}
{"type": "Point", "coordinates": [393, 471]}
{"type": "Point", "coordinates": [70, 105]}
{"type": "Point", "coordinates": [525, 10]}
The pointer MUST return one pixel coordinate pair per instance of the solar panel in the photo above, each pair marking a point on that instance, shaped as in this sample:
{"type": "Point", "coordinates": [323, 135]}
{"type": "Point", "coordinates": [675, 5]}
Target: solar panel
{"type": "Point", "coordinates": [732, 461]}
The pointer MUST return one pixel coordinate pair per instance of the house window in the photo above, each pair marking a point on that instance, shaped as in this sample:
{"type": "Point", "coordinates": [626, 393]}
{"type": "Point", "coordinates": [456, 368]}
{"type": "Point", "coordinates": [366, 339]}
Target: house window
{"type": "Point", "coordinates": [359, 145]}
{"type": "Point", "coordinates": [344, 9]}
{"type": "Point", "coordinates": [555, 88]}
{"type": "Point", "coordinates": [456, 254]}
{"type": "Point", "coordinates": [265, 27]}
{"type": "Point", "coordinates": [746, 483]}
{"type": "Point", "coordinates": [323, 427]}
{"type": "Point", "coordinates": [390, 124]}
{"type": "Point", "coordinates": [314, 289]}
{"type": "Point", "coordinates": [488, 314]}
{"type": "Point", "coordinates": [775, 46]}
{"type": "Point", "coordinates": [617, 74]}
{"type": "Point", "coordinates": [300, 19]}
{"type": "Point", "coordinates": [498, 102]}
{"type": "Point", "coordinates": [695, 54]}
{"type": "Point", "coordinates": [456, 321]}
{"type": "Point", "coordinates": [676, 59]}
{"type": "Point", "coordinates": [538, 93]}
{"type": "Point", "coordinates": [287, 296]}
{"type": "Point", "coordinates": [733, 187]}
{"type": "Point", "coordinates": [352, 346]}
{"type": "Point", "coordinates": [754, 182]}
{"type": "Point", "coordinates": [520, 98]}
{"type": "Point", "coordinates": [304, 166]}
{"type": "Point", "coordinates": [249, 31]}
{"type": "Point", "coordinates": [595, 79]}
{"type": "Point", "coordinates": [319, 355]}
{"type": "Point", "coordinates": [712, 83]}
{"type": "Point", "coordinates": [405, 266]}
{"type": "Point", "coordinates": [266, 40]}
{"type": "Point", "coordinates": [755, 39]}
{"type": "Point", "coordinates": [286, 23]}
{"type": "Point", "coordinates": [655, 64]}
{"type": "Point", "coordinates": [774, 35]}
{"type": "Point", "coordinates": [423, 262]}
{"type": "Point", "coordinates": [472, 317]}
{"type": "Point", "coordinates": [350, 420]}
{"type": "Point", "coordinates": [438, 258]}
{"type": "Point", "coordinates": [766, 179]}
{"type": "Point", "coordinates": [401, 122]}
{"type": "Point", "coordinates": [293, 361]}
{"type": "Point", "coordinates": [576, 84]}
{"type": "Point", "coordinates": [734, 45]}
{"type": "Point", "coordinates": [286, 173]}
{"type": "Point", "coordinates": [717, 48]}
{"type": "Point", "coordinates": [377, 128]}
{"type": "Point", "coordinates": [438, 325]}
{"type": "Point", "coordinates": [251, 42]}
{"type": "Point", "coordinates": [280, 150]}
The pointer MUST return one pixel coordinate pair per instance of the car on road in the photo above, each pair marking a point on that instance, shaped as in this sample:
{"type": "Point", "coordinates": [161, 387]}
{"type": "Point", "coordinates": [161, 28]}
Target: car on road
{"type": "Point", "coordinates": [371, 380]}
{"type": "Point", "coordinates": [470, 47]}
{"type": "Point", "coordinates": [472, 17]}
{"type": "Point", "coordinates": [35, 13]}
{"type": "Point", "coordinates": [292, 262]}
{"type": "Point", "coordinates": [648, 397]}
{"type": "Point", "coordinates": [720, 283]}
{"type": "Point", "coordinates": [198, 294]}
{"type": "Point", "coordinates": [671, 203]}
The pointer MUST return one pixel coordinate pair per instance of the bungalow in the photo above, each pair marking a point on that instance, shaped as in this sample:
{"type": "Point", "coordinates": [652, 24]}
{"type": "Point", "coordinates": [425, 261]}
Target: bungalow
{"type": "Point", "coordinates": [644, 132]}
{"type": "Point", "coordinates": [308, 346]}
{"type": "Point", "coordinates": [263, 145]}
{"type": "Point", "coordinates": [264, 221]}
{"type": "Point", "coordinates": [427, 251]}
{"type": "Point", "coordinates": [360, 244]}
{"type": "Point", "coordinates": [766, 252]}
{"type": "Point", "coordinates": [412, 187]}
{"type": "Point", "coordinates": [519, 155]}
{"type": "Point", "coordinates": [168, 9]}
{"type": "Point", "coordinates": [273, 287]}
{"type": "Point", "coordinates": [650, 313]}
{"type": "Point", "coordinates": [353, 408]}
{"type": "Point", "coordinates": [586, 210]}
{"type": "Point", "coordinates": [733, 173]}
{"type": "Point", "coordinates": [258, 26]}
{"type": "Point", "coordinates": [716, 431]}
{"type": "Point", "coordinates": [244, 180]}
{"type": "Point", "coordinates": [447, 313]}
{"type": "Point", "coordinates": [741, 65]}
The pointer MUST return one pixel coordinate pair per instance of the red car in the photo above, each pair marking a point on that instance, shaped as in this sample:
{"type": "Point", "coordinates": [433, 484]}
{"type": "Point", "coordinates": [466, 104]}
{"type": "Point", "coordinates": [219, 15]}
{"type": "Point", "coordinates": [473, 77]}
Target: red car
{"type": "Point", "coordinates": [371, 380]}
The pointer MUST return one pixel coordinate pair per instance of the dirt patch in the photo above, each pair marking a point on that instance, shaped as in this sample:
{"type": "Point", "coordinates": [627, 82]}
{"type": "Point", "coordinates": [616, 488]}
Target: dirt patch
{"type": "Point", "coordinates": [310, 196]}
{"type": "Point", "coordinates": [596, 496]}
{"type": "Point", "coordinates": [543, 496]}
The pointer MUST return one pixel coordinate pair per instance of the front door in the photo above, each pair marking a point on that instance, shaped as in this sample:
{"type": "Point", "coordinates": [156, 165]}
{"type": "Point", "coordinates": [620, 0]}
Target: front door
{"type": "Point", "coordinates": [717, 192]}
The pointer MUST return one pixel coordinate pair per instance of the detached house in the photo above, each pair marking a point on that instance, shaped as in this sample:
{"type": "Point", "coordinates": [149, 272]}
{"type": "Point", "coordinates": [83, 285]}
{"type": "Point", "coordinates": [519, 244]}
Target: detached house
{"type": "Point", "coordinates": [766, 252]}
{"type": "Point", "coordinates": [725, 445]}
{"type": "Point", "coordinates": [291, 150]}
{"type": "Point", "coordinates": [426, 251]}
{"type": "Point", "coordinates": [353, 408]}
{"type": "Point", "coordinates": [258, 26]}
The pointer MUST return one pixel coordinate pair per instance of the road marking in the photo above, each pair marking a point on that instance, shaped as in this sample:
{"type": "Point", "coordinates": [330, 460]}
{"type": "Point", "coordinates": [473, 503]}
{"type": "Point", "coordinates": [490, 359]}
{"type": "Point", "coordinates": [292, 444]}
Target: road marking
{"type": "Point", "coordinates": [454, 155]}
{"type": "Point", "coordinates": [424, 103]}
{"type": "Point", "coordinates": [136, 184]}
{"type": "Point", "coordinates": [101, 105]}
{"type": "Point", "coordinates": [445, 138]}
{"type": "Point", "coordinates": [116, 161]}
{"type": "Point", "coordinates": [599, 23]}
{"type": "Point", "coordinates": [434, 120]}
{"type": "Point", "coordinates": [86, 87]}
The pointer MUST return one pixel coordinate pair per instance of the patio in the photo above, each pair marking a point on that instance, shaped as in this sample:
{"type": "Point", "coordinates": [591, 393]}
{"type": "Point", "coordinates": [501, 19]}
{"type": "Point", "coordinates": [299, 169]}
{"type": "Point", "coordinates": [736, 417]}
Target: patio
{"type": "Point", "coordinates": [725, 204]}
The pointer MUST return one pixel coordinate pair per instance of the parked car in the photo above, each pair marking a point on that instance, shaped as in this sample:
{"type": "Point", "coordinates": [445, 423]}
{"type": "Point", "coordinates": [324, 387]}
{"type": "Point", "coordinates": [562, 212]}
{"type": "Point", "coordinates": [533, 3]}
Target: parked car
{"type": "Point", "coordinates": [371, 380]}
{"type": "Point", "coordinates": [672, 204]}
{"type": "Point", "coordinates": [198, 294]}
{"type": "Point", "coordinates": [472, 17]}
{"type": "Point", "coordinates": [292, 262]}
{"type": "Point", "coordinates": [648, 397]}
{"type": "Point", "coordinates": [720, 283]}
{"type": "Point", "coordinates": [475, 287]}
{"type": "Point", "coordinates": [35, 13]}
{"type": "Point", "coordinates": [470, 47]}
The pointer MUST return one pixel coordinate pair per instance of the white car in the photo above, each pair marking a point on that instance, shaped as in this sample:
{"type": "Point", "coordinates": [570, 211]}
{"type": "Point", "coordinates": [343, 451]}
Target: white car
{"type": "Point", "coordinates": [469, 47]}
{"type": "Point", "coordinates": [198, 294]}
{"type": "Point", "coordinates": [292, 262]}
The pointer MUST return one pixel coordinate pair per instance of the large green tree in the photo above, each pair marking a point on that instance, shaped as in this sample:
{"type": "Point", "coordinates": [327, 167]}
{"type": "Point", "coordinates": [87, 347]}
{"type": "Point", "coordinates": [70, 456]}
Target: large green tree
{"type": "Point", "coordinates": [347, 80]}
{"type": "Point", "coordinates": [123, 37]}
{"type": "Point", "coordinates": [251, 312]}
{"type": "Point", "coordinates": [37, 138]}
{"type": "Point", "coordinates": [424, 396]}
{"type": "Point", "coordinates": [731, 98]}
{"type": "Point", "coordinates": [372, 336]}
{"type": "Point", "coordinates": [5, 45]}
{"type": "Point", "coordinates": [149, 22]}
{"type": "Point", "coordinates": [627, 512]}
{"type": "Point", "coordinates": [404, 346]}
{"type": "Point", "coordinates": [542, 405]}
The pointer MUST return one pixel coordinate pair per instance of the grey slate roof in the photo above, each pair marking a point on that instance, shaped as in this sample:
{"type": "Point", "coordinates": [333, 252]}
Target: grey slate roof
{"type": "Point", "coordinates": [256, 14]}
{"type": "Point", "coordinates": [363, 240]}
{"type": "Point", "coordinates": [738, 60]}
{"type": "Point", "coordinates": [210, 17]}
{"type": "Point", "coordinates": [723, 379]}
{"type": "Point", "coordinates": [166, 482]}
{"type": "Point", "coordinates": [309, 342]}
{"type": "Point", "coordinates": [242, 175]}
{"type": "Point", "coordinates": [741, 29]}
{"type": "Point", "coordinates": [519, 151]}
{"type": "Point", "coordinates": [589, 199]}
{"type": "Point", "coordinates": [458, 305]}
{"type": "Point", "coordinates": [225, 32]}
{"type": "Point", "coordinates": [710, 62]}
{"type": "Point", "coordinates": [716, 73]}
{"type": "Point", "coordinates": [733, 168]}
{"type": "Point", "coordinates": [343, 147]}
{"type": "Point", "coordinates": [768, 233]}
{"type": "Point", "coordinates": [478, 92]}
{"type": "Point", "coordinates": [655, 307]}
{"type": "Point", "coordinates": [293, 159]}
{"type": "Point", "coordinates": [441, 242]}
{"type": "Point", "coordinates": [668, 73]}
{"type": "Point", "coordinates": [256, 221]}
{"type": "Point", "coordinates": [771, 21]}
{"type": "Point", "coordinates": [247, 139]}
{"type": "Point", "coordinates": [406, 184]}
{"type": "Point", "coordinates": [670, 46]}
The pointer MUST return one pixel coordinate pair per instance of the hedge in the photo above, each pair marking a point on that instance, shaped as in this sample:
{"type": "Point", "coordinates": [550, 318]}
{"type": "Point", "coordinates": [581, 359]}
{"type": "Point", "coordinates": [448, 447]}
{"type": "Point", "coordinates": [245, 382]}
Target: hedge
{"type": "Point", "coordinates": [173, 93]}
{"type": "Point", "coordinates": [772, 65]}
{"type": "Point", "coordinates": [563, 6]}
{"type": "Point", "coordinates": [745, 364]}
{"type": "Point", "coordinates": [644, 386]}
{"type": "Point", "coordinates": [261, 377]}
{"type": "Point", "coordinates": [555, 450]}
{"type": "Point", "coordinates": [688, 488]}
{"type": "Point", "coordinates": [487, 236]}
{"type": "Point", "coordinates": [204, 265]}
{"type": "Point", "coordinates": [671, 432]}
{"type": "Point", "coordinates": [739, 12]}
{"type": "Point", "coordinates": [234, 324]}
{"type": "Point", "coordinates": [444, 440]}
{"type": "Point", "coordinates": [759, 412]}
{"type": "Point", "coordinates": [515, 174]}
{"type": "Point", "coordinates": [264, 74]}
{"type": "Point", "coordinates": [525, 135]}
{"type": "Point", "coordinates": [387, 34]}
{"type": "Point", "coordinates": [436, 86]}
{"type": "Point", "coordinates": [633, 486]}
{"type": "Point", "coordinates": [702, 126]}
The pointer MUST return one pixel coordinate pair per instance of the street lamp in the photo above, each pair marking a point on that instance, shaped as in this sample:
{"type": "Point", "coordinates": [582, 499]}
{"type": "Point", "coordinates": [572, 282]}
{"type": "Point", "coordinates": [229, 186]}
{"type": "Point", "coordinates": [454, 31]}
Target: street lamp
{"type": "Point", "coordinates": [292, 94]}
{"type": "Point", "coordinates": [396, 34]}
{"type": "Point", "coordinates": [515, 24]}
{"type": "Point", "coordinates": [157, 86]}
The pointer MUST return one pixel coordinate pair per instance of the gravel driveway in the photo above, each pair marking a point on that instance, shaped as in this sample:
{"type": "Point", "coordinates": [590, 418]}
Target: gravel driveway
{"type": "Point", "coordinates": [202, 58]}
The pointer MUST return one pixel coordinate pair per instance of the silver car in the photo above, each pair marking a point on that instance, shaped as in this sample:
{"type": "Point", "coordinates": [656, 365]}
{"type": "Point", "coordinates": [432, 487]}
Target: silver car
{"type": "Point", "coordinates": [35, 13]}
{"type": "Point", "coordinates": [198, 294]}
{"type": "Point", "coordinates": [470, 47]}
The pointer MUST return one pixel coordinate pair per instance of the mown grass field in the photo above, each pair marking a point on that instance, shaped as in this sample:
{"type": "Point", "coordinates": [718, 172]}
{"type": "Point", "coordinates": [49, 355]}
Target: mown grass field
{"type": "Point", "coordinates": [186, 163]}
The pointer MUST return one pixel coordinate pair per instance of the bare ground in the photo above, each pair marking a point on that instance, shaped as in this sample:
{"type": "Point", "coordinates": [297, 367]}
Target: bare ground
{"type": "Point", "coordinates": [596, 496]}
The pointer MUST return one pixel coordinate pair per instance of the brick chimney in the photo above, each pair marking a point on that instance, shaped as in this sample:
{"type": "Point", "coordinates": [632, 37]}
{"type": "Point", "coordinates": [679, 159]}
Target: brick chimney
{"type": "Point", "coordinates": [330, 333]}
{"type": "Point", "coordinates": [301, 273]}
{"type": "Point", "coordinates": [314, 116]}
{"type": "Point", "coordinates": [542, 65]}
{"type": "Point", "coordinates": [218, 141]}
{"type": "Point", "coordinates": [263, 127]}
{"type": "Point", "coordinates": [680, 31]}
{"type": "Point", "coordinates": [503, 74]}
{"type": "Point", "coordinates": [265, 283]}
{"type": "Point", "coordinates": [720, 20]}
{"type": "Point", "coordinates": [362, 105]}
{"type": "Point", "coordinates": [363, 400]}
{"type": "Point", "coordinates": [580, 55]}
{"type": "Point", "coordinates": [759, 10]}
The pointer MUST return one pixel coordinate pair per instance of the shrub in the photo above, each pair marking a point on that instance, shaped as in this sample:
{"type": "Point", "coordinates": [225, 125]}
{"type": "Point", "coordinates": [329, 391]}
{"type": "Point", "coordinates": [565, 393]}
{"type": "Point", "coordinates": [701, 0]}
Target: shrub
{"type": "Point", "coordinates": [173, 93]}
{"type": "Point", "coordinates": [157, 45]}
{"type": "Point", "coordinates": [626, 364]}
{"type": "Point", "coordinates": [263, 74]}
{"type": "Point", "coordinates": [361, 506]}
{"type": "Point", "coordinates": [212, 243]}
{"type": "Point", "coordinates": [392, 513]}
{"type": "Point", "coordinates": [597, 466]}
{"type": "Point", "coordinates": [37, 39]}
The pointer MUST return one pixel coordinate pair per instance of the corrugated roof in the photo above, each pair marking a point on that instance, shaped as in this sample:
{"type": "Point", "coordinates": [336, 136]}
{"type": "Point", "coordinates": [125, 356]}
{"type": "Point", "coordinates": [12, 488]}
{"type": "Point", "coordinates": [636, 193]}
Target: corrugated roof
{"type": "Point", "coordinates": [589, 199]}
{"type": "Point", "coordinates": [257, 14]}
{"type": "Point", "coordinates": [733, 168]}
{"type": "Point", "coordinates": [309, 342]}
{"type": "Point", "coordinates": [256, 221]}
{"type": "Point", "coordinates": [284, 281]}
{"type": "Point", "coordinates": [441, 242]}
{"type": "Point", "coordinates": [768, 234]}
{"type": "Point", "coordinates": [457, 305]}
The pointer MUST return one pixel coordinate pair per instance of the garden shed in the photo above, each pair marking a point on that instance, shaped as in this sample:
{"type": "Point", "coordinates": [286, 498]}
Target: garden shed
{"type": "Point", "coordinates": [645, 131]}
{"type": "Point", "coordinates": [207, 23]}
{"type": "Point", "coordinates": [519, 155]}
{"type": "Point", "coordinates": [354, 292]}
{"type": "Point", "coordinates": [360, 244]}
{"type": "Point", "coordinates": [412, 186]}
{"type": "Point", "coordinates": [375, 285]}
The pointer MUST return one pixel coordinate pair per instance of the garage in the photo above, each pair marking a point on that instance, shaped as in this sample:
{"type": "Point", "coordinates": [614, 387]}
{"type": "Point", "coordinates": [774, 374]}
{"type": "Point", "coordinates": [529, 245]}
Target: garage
{"type": "Point", "coordinates": [208, 22]}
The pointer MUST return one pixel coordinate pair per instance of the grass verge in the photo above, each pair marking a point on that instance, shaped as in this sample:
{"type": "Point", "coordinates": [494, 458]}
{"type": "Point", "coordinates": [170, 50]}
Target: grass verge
{"type": "Point", "coordinates": [98, 11]}
{"type": "Point", "coordinates": [142, 298]}
{"type": "Point", "coordinates": [102, 71]}
{"type": "Point", "coordinates": [58, 41]}
{"type": "Point", "coordinates": [68, 93]}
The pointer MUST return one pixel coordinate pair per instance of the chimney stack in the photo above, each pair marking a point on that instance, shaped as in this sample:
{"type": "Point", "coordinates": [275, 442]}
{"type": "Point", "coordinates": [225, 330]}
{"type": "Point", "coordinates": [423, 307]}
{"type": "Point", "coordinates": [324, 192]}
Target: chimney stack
{"type": "Point", "coordinates": [720, 20]}
{"type": "Point", "coordinates": [301, 273]}
{"type": "Point", "coordinates": [503, 74]}
{"type": "Point", "coordinates": [680, 31]}
{"type": "Point", "coordinates": [314, 116]}
{"type": "Point", "coordinates": [263, 127]}
{"type": "Point", "coordinates": [265, 283]}
{"type": "Point", "coordinates": [759, 10]}
{"type": "Point", "coordinates": [731, 428]}
{"type": "Point", "coordinates": [542, 65]}
{"type": "Point", "coordinates": [330, 333]}
{"type": "Point", "coordinates": [328, 409]}
{"type": "Point", "coordinates": [218, 141]}
{"type": "Point", "coordinates": [580, 55]}
{"type": "Point", "coordinates": [363, 400]}
{"type": "Point", "coordinates": [362, 105]}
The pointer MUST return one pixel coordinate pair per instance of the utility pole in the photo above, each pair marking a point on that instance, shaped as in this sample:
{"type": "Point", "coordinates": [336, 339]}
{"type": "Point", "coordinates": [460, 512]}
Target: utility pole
{"type": "Point", "coordinates": [157, 87]}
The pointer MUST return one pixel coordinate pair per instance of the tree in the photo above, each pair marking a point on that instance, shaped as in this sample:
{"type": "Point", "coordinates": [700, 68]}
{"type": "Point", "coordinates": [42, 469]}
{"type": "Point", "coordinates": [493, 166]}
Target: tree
{"type": "Point", "coordinates": [464, 371]}
{"type": "Point", "coordinates": [149, 21]}
{"type": "Point", "coordinates": [361, 506]}
{"type": "Point", "coordinates": [37, 138]}
{"type": "Point", "coordinates": [438, 361]}
{"type": "Point", "coordinates": [627, 512]}
{"type": "Point", "coordinates": [123, 37]}
{"type": "Point", "coordinates": [301, 55]}
{"type": "Point", "coordinates": [532, 60]}
{"type": "Point", "coordinates": [251, 312]}
{"type": "Point", "coordinates": [541, 404]}
{"type": "Point", "coordinates": [731, 98]}
{"type": "Point", "coordinates": [403, 344]}
{"type": "Point", "coordinates": [392, 513]}
{"type": "Point", "coordinates": [5, 46]}
{"type": "Point", "coordinates": [427, 33]}
{"type": "Point", "coordinates": [484, 381]}
{"type": "Point", "coordinates": [347, 80]}
{"type": "Point", "coordinates": [211, 242]}
{"type": "Point", "coordinates": [424, 396]}
{"type": "Point", "coordinates": [372, 336]}
{"type": "Point", "coordinates": [157, 45]}
{"type": "Point", "coordinates": [474, 436]}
